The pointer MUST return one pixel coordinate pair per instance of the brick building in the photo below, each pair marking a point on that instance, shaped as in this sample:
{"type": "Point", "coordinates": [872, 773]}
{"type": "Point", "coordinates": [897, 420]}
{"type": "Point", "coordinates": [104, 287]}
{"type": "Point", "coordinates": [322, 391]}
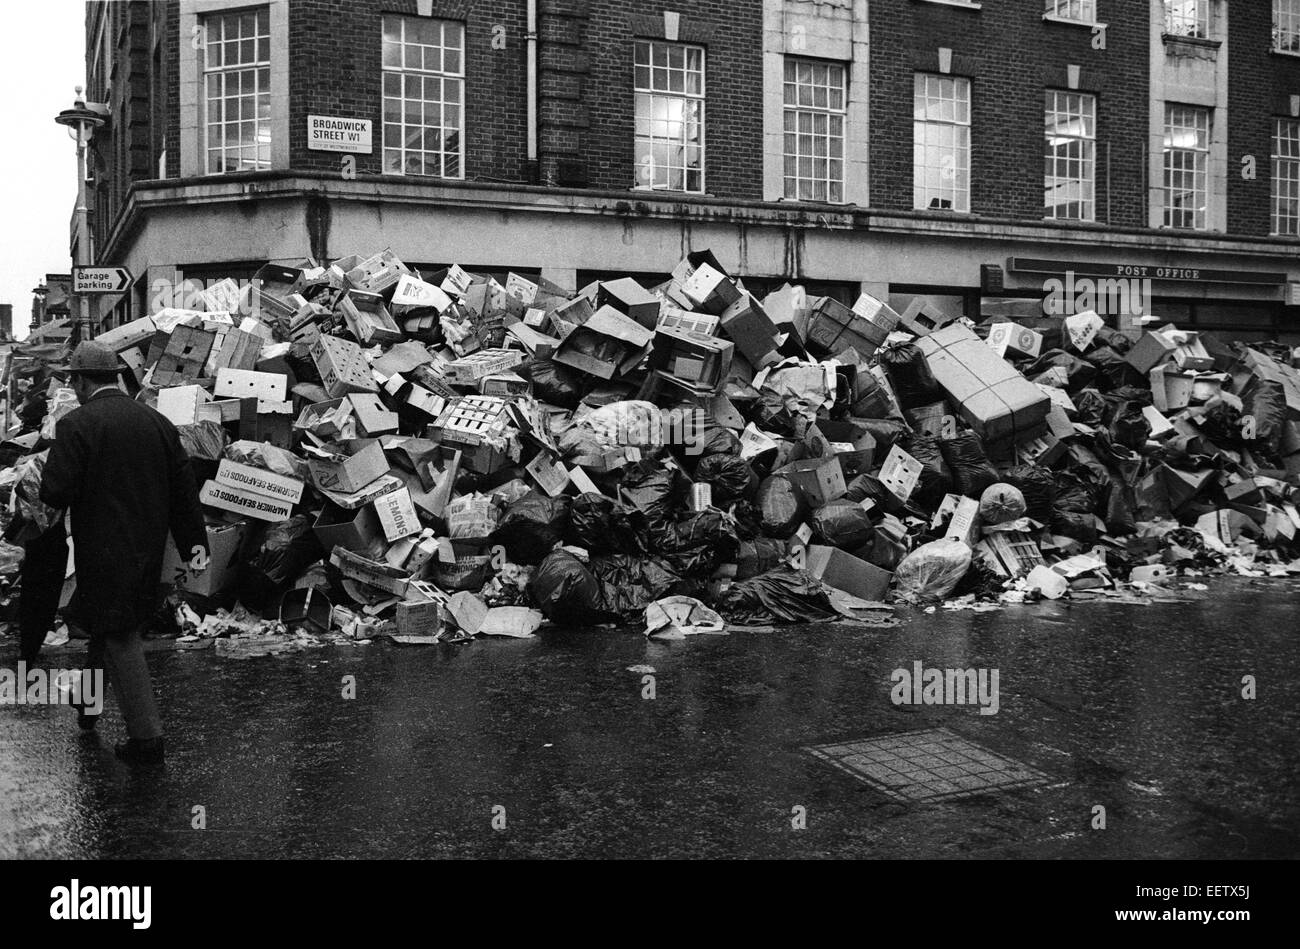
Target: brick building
{"type": "Point", "coordinates": [971, 151]}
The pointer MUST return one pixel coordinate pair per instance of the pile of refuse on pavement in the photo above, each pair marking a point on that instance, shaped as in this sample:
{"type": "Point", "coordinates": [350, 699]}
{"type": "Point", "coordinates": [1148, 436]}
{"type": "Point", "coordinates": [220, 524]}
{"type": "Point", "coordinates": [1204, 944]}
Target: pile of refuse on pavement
{"type": "Point", "coordinates": [435, 456]}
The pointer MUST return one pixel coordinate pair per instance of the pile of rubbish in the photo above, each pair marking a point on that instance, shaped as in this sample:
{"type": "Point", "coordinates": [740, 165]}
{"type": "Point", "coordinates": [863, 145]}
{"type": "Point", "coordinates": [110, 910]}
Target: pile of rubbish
{"type": "Point", "coordinates": [436, 456]}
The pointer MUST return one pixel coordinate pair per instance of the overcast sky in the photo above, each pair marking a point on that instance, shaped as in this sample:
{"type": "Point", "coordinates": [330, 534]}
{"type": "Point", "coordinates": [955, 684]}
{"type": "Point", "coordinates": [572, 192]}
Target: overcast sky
{"type": "Point", "coordinates": [42, 57]}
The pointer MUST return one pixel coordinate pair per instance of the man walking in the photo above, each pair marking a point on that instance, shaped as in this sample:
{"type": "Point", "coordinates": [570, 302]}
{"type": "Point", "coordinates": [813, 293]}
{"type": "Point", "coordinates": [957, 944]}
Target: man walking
{"type": "Point", "coordinates": [119, 467]}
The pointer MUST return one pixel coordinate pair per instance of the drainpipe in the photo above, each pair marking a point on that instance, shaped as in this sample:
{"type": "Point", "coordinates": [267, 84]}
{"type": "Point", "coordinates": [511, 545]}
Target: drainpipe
{"type": "Point", "coordinates": [532, 82]}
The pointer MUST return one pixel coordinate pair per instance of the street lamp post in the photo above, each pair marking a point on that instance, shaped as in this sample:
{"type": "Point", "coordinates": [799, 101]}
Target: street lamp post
{"type": "Point", "coordinates": [82, 121]}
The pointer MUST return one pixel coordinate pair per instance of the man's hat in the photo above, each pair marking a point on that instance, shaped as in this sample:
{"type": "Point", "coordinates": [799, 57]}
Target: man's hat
{"type": "Point", "coordinates": [94, 357]}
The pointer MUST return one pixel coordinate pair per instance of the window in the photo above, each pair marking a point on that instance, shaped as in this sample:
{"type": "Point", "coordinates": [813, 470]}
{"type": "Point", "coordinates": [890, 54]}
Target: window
{"type": "Point", "coordinates": [1069, 155]}
{"type": "Point", "coordinates": [1187, 156]}
{"type": "Point", "coordinates": [669, 90]}
{"type": "Point", "coordinates": [237, 91]}
{"type": "Point", "coordinates": [1187, 18]}
{"type": "Point", "coordinates": [1286, 177]}
{"type": "Point", "coordinates": [1084, 11]}
{"type": "Point", "coordinates": [814, 130]}
{"type": "Point", "coordinates": [1286, 26]}
{"type": "Point", "coordinates": [941, 143]}
{"type": "Point", "coordinates": [424, 97]}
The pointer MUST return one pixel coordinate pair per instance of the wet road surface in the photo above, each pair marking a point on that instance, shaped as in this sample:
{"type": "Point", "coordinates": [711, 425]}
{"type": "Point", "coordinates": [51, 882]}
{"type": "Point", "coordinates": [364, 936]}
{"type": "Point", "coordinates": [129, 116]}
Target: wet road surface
{"type": "Point", "coordinates": [1134, 708]}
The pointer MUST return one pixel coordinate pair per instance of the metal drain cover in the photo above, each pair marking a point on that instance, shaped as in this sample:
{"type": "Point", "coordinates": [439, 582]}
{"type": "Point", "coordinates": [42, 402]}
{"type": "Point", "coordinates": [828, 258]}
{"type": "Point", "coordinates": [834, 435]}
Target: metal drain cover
{"type": "Point", "coordinates": [933, 764]}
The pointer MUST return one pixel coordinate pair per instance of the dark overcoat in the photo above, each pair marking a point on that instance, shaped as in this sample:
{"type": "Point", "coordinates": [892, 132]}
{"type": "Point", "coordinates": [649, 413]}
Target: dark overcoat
{"type": "Point", "coordinates": [118, 465]}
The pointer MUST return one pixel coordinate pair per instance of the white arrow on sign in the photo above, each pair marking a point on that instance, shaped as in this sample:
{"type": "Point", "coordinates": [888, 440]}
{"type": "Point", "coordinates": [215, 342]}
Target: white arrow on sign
{"type": "Point", "coordinates": [100, 279]}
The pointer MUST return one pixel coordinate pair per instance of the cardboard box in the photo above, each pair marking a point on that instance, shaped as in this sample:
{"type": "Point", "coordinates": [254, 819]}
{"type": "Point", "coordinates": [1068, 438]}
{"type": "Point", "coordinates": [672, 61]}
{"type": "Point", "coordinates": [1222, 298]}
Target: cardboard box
{"type": "Point", "coordinates": [608, 344]}
{"type": "Point", "coordinates": [994, 399]}
{"type": "Point", "coordinates": [845, 572]}
{"type": "Point", "coordinates": [551, 476]}
{"type": "Point", "coordinates": [707, 287]}
{"type": "Point", "coordinates": [334, 471]}
{"type": "Point", "coordinates": [476, 425]}
{"type": "Point", "coordinates": [247, 384]}
{"type": "Point", "coordinates": [239, 350]}
{"type": "Point", "coordinates": [673, 318]}
{"type": "Point", "coordinates": [373, 417]}
{"type": "Point", "coordinates": [342, 366]}
{"type": "Point", "coordinates": [833, 328]}
{"type": "Point", "coordinates": [1268, 369]}
{"type": "Point", "coordinates": [411, 293]}
{"type": "Point", "coordinates": [397, 515]}
{"type": "Point", "coordinates": [245, 502]}
{"type": "Point", "coordinates": [357, 530]}
{"type": "Point", "coordinates": [1160, 426]}
{"type": "Point", "coordinates": [183, 358]}
{"type": "Point", "coordinates": [1011, 553]}
{"type": "Point", "coordinates": [232, 474]}
{"type": "Point", "coordinates": [325, 420]}
{"type": "Point", "coordinates": [272, 287]}
{"type": "Point", "coordinates": [1171, 389]}
{"type": "Point", "coordinates": [223, 568]}
{"type": "Point", "coordinates": [964, 524]}
{"type": "Point", "coordinates": [364, 495]}
{"type": "Point", "coordinates": [419, 618]}
{"type": "Point", "coordinates": [128, 335]}
{"type": "Point", "coordinates": [925, 315]}
{"type": "Point", "coordinates": [536, 343]}
{"type": "Point", "coordinates": [183, 405]}
{"type": "Point", "coordinates": [1016, 338]}
{"type": "Point", "coordinates": [505, 385]}
{"type": "Point", "coordinates": [900, 473]}
{"type": "Point", "coordinates": [377, 273]}
{"type": "Point", "coordinates": [748, 326]}
{"type": "Point", "coordinates": [1043, 450]}
{"type": "Point", "coordinates": [692, 359]}
{"type": "Point", "coordinates": [820, 480]}
{"type": "Point", "coordinates": [469, 370]}
{"type": "Point", "coordinates": [368, 318]}
{"type": "Point", "coordinates": [1081, 328]}
{"type": "Point", "coordinates": [375, 574]}
{"type": "Point", "coordinates": [631, 299]}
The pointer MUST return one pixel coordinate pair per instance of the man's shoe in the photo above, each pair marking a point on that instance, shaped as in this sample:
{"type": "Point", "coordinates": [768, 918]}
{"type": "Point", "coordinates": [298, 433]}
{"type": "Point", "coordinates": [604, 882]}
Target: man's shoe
{"type": "Point", "coordinates": [140, 751]}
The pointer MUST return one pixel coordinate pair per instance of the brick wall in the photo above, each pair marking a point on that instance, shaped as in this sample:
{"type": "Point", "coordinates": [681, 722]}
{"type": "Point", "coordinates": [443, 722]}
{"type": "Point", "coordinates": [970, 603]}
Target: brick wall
{"type": "Point", "coordinates": [335, 68]}
{"type": "Point", "coordinates": [1260, 84]}
{"type": "Point", "coordinates": [126, 149]}
{"type": "Point", "coordinates": [1011, 55]}
{"type": "Point", "coordinates": [731, 33]}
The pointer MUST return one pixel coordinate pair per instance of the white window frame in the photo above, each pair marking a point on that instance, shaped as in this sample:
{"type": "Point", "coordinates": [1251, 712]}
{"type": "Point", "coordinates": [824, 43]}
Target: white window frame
{"type": "Point", "coordinates": [814, 116]}
{"type": "Point", "coordinates": [1286, 27]}
{"type": "Point", "coordinates": [246, 73]}
{"type": "Point", "coordinates": [950, 160]}
{"type": "Point", "coordinates": [1285, 218]}
{"type": "Point", "coordinates": [1182, 160]}
{"type": "Point", "coordinates": [1187, 18]}
{"type": "Point", "coordinates": [1071, 11]}
{"type": "Point", "coordinates": [1059, 106]}
{"type": "Point", "coordinates": [427, 83]}
{"type": "Point", "coordinates": [669, 101]}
